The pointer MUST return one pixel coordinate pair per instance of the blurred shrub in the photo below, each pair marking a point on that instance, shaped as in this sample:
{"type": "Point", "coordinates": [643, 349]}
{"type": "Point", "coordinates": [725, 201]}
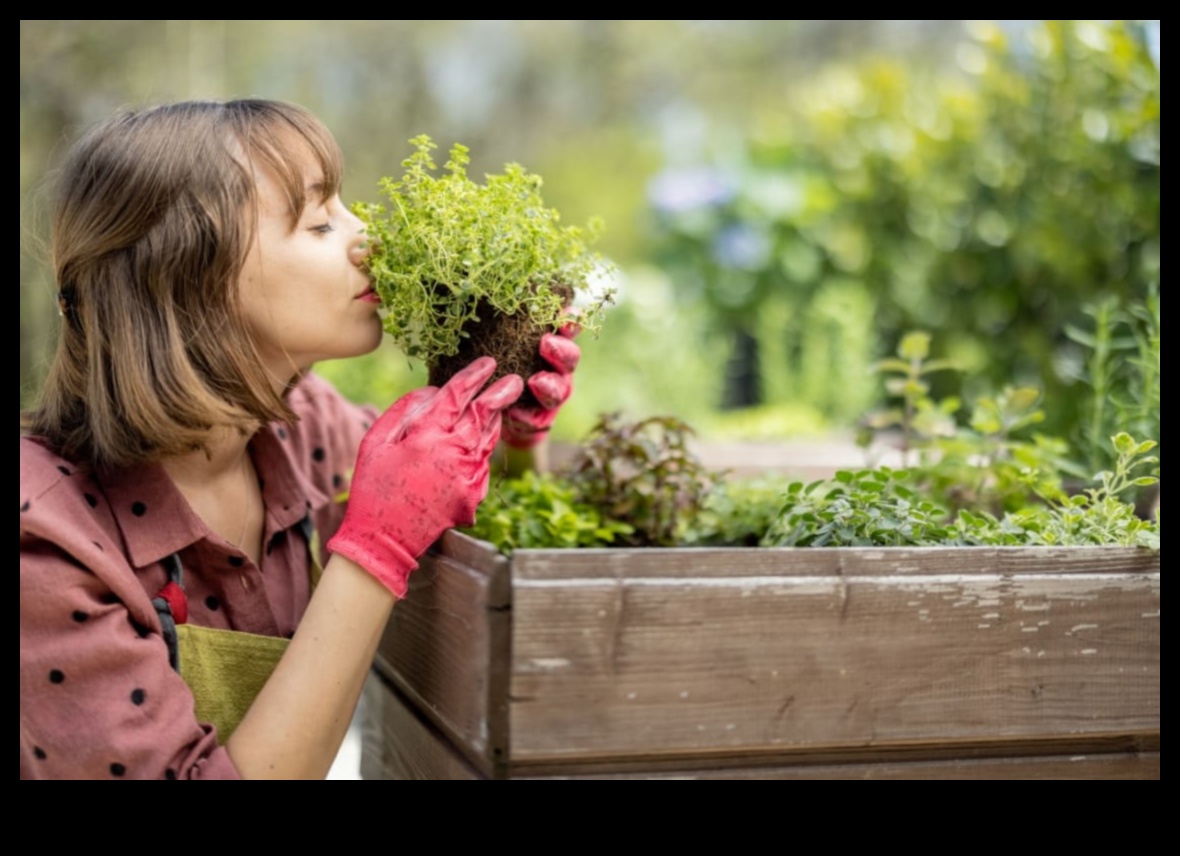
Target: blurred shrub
{"type": "Point", "coordinates": [990, 208]}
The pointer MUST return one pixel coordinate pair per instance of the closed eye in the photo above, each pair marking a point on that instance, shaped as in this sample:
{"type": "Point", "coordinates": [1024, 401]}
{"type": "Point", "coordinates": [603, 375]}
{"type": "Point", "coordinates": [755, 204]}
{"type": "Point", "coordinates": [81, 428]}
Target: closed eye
{"type": "Point", "coordinates": [323, 228]}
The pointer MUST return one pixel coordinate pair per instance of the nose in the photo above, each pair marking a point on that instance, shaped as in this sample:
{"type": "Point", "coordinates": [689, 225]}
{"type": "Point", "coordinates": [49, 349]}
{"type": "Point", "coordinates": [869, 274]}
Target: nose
{"type": "Point", "coordinates": [360, 250]}
{"type": "Point", "coordinates": [361, 247]}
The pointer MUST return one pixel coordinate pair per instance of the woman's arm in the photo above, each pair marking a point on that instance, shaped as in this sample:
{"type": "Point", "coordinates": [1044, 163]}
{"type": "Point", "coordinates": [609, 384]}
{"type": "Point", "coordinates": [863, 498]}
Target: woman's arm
{"type": "Point", "coordinates": [296, 725]}
{"type": "Point", "coordinates": [422, 469]}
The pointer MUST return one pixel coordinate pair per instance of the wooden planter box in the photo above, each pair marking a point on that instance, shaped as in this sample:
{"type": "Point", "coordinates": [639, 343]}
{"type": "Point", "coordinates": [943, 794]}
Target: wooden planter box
{"type": "Point", "coordinates": [770, 664]}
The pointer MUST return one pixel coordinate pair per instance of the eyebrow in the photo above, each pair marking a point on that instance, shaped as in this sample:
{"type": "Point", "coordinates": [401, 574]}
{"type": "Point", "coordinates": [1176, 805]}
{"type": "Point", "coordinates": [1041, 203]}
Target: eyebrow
{"type": "Point", "coordinates": [315, 189]}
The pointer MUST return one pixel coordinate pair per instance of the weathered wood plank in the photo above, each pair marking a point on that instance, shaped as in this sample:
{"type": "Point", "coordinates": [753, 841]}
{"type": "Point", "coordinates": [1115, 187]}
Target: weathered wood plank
{"type": "Point", "coordinates": [1124, 767]}
{"type": "Point", "coordinates": [398, 744]}
{"type": "Point", "coordinates": [629, 662]}
{"type": "Point", "coordinates": [729, 563]}
{"type": "Point", "coordinates": [446, 648]}
{"type": "Point", "coordinates": [916, 752]}
{"type": "Point", "coordinates": [477, 555]}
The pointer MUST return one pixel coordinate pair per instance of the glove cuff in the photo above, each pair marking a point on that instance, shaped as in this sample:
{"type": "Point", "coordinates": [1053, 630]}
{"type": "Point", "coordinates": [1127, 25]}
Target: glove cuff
{"type": "Point", "coordinates": [385, 560]}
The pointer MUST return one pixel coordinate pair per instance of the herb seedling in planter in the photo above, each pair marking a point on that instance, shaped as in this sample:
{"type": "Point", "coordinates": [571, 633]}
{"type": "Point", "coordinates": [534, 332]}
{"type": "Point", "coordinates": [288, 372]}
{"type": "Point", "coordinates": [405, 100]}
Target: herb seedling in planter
{"type": "Point", "coordinates": [466, 270]}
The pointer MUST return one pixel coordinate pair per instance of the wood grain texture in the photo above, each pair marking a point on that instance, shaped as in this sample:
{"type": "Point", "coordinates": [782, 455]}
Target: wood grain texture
{"type": "Point", "coordinates": [1123, 767]}
{"type": "Point", "coordinates": [397, 743]}
{"type": "Point", "coordinates": [446, 648]}
{"type": "Point", "coordinates": [656, 653]}
{"type": "Point", "coordinates": [843, 562]}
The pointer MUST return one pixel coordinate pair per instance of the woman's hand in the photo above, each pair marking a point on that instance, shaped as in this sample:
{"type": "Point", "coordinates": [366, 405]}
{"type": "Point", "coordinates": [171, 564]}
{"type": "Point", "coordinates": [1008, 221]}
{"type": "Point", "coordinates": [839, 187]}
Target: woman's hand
{"type": "Point", "coordinates": [525, 427]}
{"type": "Point", "coordinates": [423, 469]}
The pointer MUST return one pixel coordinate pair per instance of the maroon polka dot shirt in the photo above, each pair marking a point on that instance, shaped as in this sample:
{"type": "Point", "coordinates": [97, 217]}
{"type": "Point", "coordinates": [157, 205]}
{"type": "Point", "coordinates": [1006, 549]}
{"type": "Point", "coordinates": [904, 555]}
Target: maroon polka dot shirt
{"type": "Point", "coordinates": [98, 699]}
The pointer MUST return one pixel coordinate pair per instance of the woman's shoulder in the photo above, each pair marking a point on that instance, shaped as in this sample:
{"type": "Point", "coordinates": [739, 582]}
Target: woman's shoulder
{"type": "Point", "coordinates": [45, 476]}
{"type": "Point", "coordinates": [68, 531]}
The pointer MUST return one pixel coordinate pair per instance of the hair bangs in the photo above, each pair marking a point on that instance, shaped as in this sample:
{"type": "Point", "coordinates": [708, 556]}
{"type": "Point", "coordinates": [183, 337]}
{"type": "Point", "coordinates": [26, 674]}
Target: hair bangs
{"type": "Point", "coordinates": [285, 139]}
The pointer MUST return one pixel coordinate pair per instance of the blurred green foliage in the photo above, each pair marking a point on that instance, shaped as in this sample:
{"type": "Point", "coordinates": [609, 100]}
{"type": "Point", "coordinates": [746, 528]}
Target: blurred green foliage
{"type": "Point", "coordinates": [875, 177]}
{"type": "Point", "coordinates": [990, 207]}
{"type": "Point", "coordinates": [588, 104]}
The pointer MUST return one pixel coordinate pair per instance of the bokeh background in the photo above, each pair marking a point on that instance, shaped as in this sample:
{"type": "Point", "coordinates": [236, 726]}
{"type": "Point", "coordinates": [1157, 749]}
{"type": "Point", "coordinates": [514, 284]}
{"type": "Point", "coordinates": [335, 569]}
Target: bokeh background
{"type": "Point", "coordinates": [784, 200]}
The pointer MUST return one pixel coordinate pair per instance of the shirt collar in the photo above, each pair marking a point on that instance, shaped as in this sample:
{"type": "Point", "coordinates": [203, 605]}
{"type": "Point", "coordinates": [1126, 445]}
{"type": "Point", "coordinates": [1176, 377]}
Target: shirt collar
{"type": "Point", "coordinates": [153, 515]}
{"type": "Point", "coordinates": [287, 491]}
{"type": "Point", "coordinates": [157, 521]}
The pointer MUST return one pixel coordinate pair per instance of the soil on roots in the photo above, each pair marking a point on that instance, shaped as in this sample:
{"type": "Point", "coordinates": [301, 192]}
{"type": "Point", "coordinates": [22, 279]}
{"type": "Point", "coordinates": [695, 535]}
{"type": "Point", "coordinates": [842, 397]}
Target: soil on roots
{"type": "Point", "coordinates": [513, 341]}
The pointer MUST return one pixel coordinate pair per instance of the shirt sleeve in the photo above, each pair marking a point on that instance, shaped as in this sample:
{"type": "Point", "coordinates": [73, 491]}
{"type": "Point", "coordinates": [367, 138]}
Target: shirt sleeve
{"type": "Point", "coordinates": [98, 698]}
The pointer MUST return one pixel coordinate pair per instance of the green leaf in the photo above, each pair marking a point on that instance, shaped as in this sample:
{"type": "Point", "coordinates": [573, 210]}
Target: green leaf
{"type": "Point", "coordinates": [893, 365]}
{"type": "Point", "coordinates": [1124, 444]}
{"type": "Point", "coordinates": [915, 346]}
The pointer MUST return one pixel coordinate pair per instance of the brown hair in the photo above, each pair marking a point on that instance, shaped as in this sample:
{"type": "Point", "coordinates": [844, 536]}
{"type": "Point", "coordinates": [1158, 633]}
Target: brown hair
{"type": "Point", "coordinates": [154, 216]}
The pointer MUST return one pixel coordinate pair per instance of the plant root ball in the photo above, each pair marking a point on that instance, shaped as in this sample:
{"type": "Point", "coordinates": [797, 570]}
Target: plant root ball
{"type": "Point", "coordinates": [513, 341]}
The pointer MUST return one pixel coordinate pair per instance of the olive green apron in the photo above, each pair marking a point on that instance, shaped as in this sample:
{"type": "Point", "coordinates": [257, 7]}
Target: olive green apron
{"type": "Point", "coordinates": [225, 669]}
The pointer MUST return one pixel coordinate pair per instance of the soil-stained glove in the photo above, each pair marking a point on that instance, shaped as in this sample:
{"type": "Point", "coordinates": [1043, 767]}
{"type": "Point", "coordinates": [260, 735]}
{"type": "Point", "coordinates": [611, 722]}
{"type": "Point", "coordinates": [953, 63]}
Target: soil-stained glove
{"type": "Point", "coordinates": [525, 427]}
{"type": "Point", "coordinates": [422, 469]}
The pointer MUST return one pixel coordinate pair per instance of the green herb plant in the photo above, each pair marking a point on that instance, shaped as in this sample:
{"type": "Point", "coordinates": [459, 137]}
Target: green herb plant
{"type": "Point", "coordinates": [737, 512]}
{"type": "Point", "coordinates": [885, 508]}
{"type": "Point", "coordinates": [983, 464]}
{"type": "Point", "coordinates": [643, 473]}
{"type": "Point", "coordinates": [1100, 515]}
{"type": "Point", "coordinates": [1122, 372]}
{"type": "Point", "coordinates": [638, 484]}
{"type": "Point", "coordinates": [542, 511]}
{"type": "Point", "coordinates": [446, 248]}
{"type": "Point", "coordinates": [868, 508]}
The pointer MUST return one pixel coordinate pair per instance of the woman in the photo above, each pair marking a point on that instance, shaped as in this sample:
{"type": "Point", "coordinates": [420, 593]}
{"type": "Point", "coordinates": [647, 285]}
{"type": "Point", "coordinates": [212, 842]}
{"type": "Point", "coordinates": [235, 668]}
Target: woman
{"type": "Point", "coordinates": [182, 465]}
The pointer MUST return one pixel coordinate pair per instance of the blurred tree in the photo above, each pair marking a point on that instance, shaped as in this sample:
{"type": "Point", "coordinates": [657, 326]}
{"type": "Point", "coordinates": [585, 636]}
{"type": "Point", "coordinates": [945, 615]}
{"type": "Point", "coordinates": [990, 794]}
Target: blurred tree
{"type": "Point", "coordinates": [990, 206]}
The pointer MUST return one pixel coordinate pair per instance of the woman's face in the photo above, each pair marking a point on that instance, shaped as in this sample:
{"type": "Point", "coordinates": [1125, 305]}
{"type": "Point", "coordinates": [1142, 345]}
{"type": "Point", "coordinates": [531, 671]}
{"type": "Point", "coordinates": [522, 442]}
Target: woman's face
{"type": "Point", "coordinates": [305, 294]}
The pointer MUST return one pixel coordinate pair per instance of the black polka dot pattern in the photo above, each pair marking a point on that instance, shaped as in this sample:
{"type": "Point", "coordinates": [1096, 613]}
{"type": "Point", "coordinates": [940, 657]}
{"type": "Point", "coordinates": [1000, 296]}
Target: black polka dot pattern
{"type": "Point", "coordinates": [64, 471]}
{"type": "Point", "coordinates": [24, 509]}
{"type": "Point", "coordinates": [282, 432]}
{"type": "Point", "coordinates": [57, 676]}
{"type": "Point", "coordinates": [318, 455]}
{"type": "Point", "coordinates": [138, 697]}
{"type": "Point", "coordinates": [236, 562]}
{"type": "Point", "coordinates": [139, 509]}
{"type": "Point", "coordinates": [80, 617]}
{"type": "Point", "coordinates": [337, 481]}
{"type": "Point", "coordinates": [212, 604]}
{"type": "Point", "coordinates": [170, 775]}
{"type": "Point", "coordinates": [40, 754]}
{"type": "Point", "coordinates": [118, 771]}
{"type": "Point", "coordinates": [91, 500]}
{"type": "Point", "coordinates": [96, 544]}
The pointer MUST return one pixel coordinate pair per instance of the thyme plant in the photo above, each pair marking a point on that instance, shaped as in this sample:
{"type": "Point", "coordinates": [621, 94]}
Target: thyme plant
{"type": "Point", "coordinates": [446, 249]}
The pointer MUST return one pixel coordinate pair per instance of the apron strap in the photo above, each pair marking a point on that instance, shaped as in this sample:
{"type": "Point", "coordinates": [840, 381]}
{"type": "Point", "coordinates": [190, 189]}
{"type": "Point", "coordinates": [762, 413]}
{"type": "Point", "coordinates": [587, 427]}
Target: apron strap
{"type": "Point", "coordinates": [172, 607]}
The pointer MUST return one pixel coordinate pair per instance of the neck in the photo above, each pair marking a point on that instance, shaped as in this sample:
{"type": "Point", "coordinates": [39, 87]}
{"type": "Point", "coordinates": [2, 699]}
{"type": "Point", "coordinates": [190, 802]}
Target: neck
{"type": "Point", "coordinates": [226, 455]}
{"type": "Point", "coordinates": [222, 488]}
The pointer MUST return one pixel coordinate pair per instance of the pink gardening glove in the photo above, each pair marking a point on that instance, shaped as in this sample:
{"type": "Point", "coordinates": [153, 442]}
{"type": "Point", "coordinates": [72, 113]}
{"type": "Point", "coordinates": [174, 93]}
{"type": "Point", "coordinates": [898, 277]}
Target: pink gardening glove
{"type": "Point", "coordinates": [422, 469]}
{"type": "Point", "coordinates": [525, 427]}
